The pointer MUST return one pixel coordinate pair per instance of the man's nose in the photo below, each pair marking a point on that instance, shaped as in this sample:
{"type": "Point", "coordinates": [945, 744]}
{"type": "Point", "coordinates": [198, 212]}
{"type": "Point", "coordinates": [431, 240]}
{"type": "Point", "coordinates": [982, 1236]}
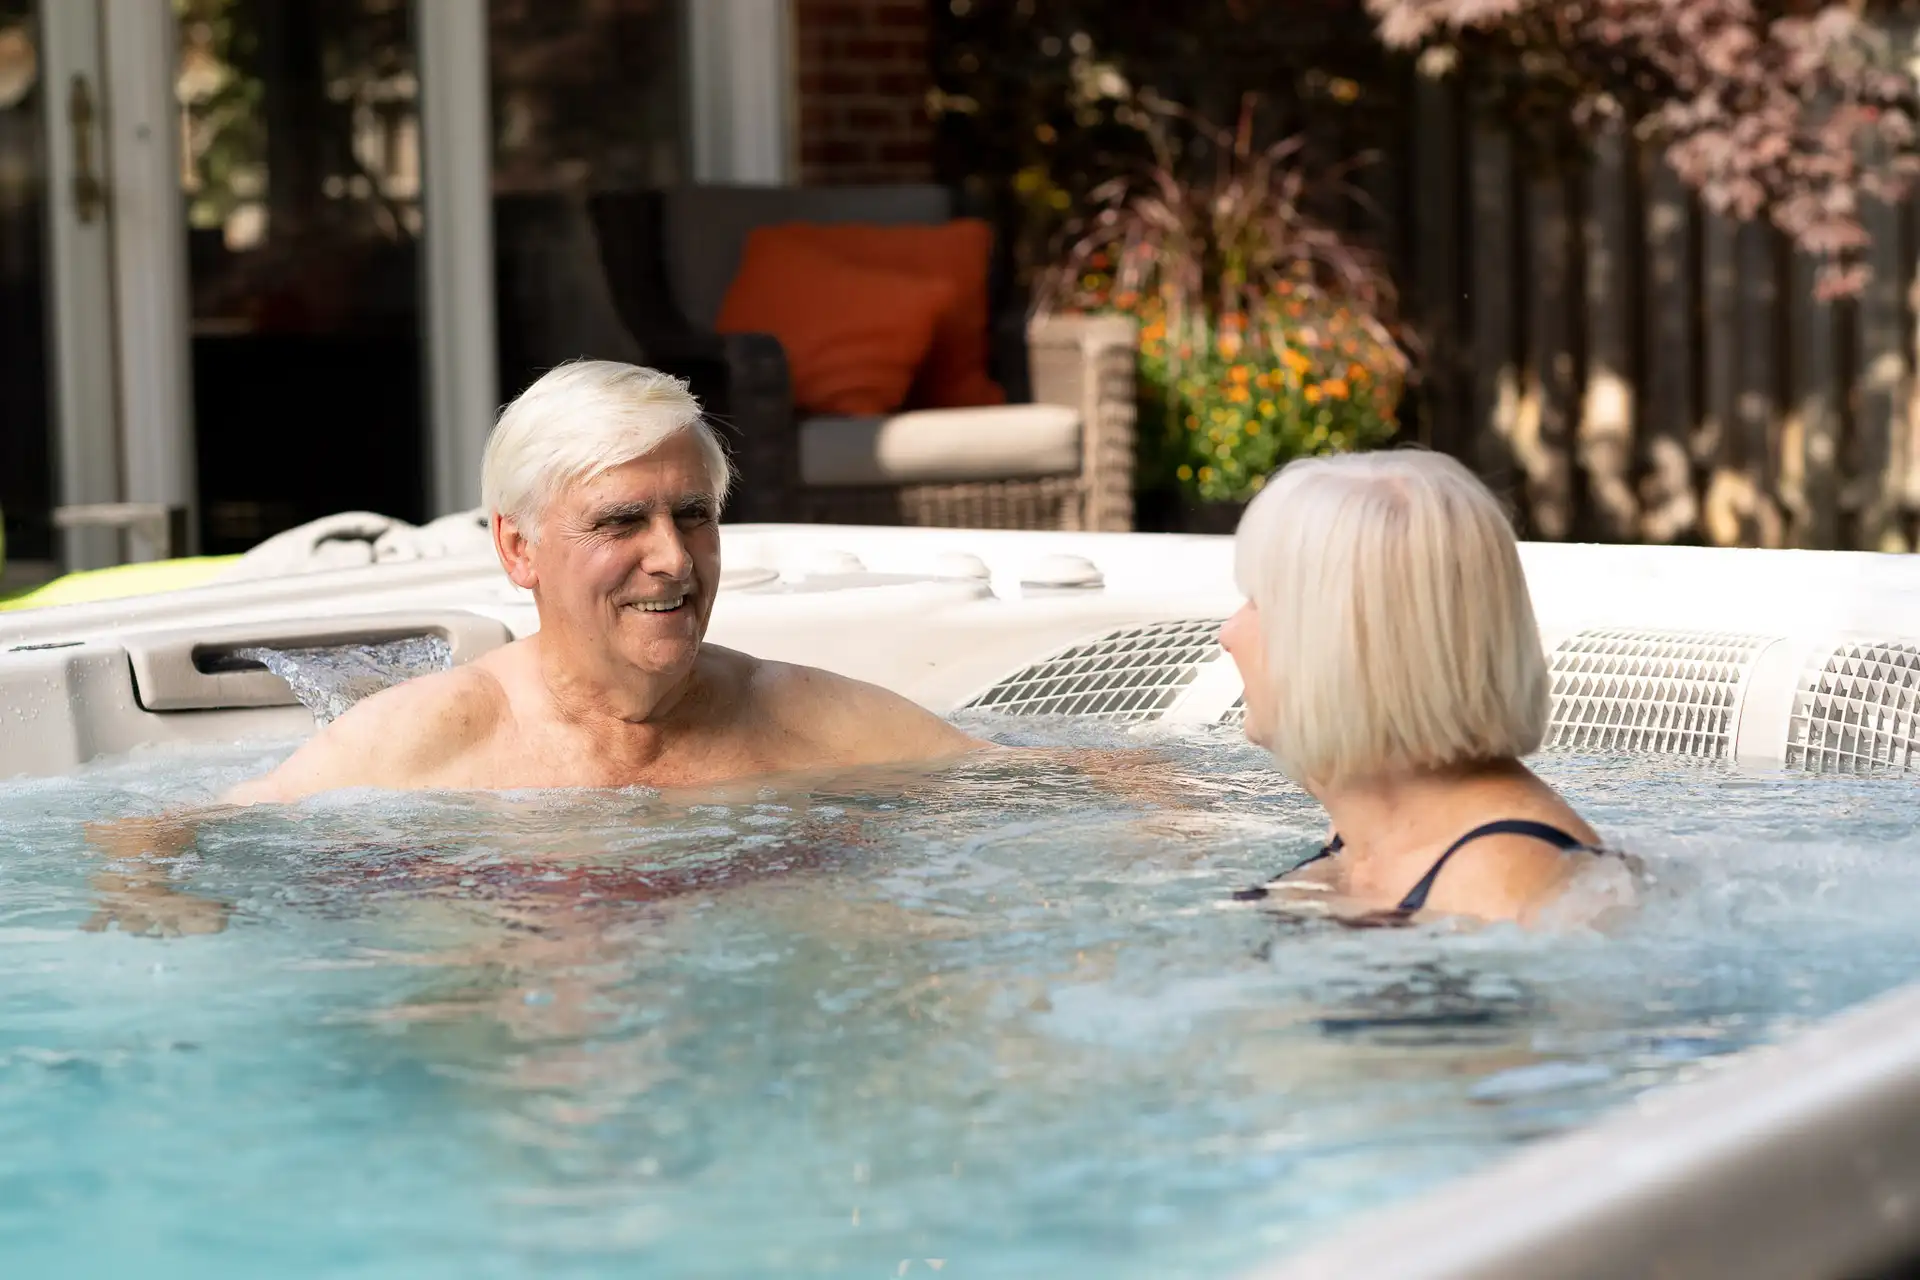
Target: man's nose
{"type": "Point", "coordinates": [666, 553]}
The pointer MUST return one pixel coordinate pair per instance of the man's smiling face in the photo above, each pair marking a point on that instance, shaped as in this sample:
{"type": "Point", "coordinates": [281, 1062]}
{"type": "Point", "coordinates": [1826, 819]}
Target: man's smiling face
{"type": "Point", "coordinates": [628, 562]}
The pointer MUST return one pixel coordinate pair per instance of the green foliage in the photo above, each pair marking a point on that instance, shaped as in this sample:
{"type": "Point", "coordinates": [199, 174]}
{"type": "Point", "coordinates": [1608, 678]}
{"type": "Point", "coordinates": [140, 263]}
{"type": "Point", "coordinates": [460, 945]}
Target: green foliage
{"type": "Point", "coordinates": [1266, 322]}
{"type": "Point", "coordinates": [226, 135]}
{"type": "Point", "coordinates": [1264, 331]}
{"type": "Point", "coordinates": [1231, 400]}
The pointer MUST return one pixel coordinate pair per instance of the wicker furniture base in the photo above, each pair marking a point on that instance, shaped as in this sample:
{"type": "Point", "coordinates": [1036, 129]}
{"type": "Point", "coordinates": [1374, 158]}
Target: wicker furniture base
{"type": "Point", "coordinates": [1051, 503]}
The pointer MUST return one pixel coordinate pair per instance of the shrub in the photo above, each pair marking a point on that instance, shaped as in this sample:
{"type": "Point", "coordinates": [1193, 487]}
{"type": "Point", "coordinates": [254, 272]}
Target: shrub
{"type": "Point", "coordinates": [1266, 334]}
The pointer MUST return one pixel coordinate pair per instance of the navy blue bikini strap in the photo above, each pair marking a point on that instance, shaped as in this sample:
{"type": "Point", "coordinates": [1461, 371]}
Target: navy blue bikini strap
{"type": "Point", "coordinates": [1327, 850]}
{"type": "Point", "coordinates": [1417, 896]}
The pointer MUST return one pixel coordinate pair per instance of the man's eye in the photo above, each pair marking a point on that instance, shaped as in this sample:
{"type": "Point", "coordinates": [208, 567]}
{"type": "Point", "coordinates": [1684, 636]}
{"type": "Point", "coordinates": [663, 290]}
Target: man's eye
{"type": "Point", "coordinates": [694, 515]}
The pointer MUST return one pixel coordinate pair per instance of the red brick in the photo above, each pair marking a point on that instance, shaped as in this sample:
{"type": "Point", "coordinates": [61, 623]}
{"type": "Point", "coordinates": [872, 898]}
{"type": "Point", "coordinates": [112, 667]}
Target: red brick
{"type": "Point", "coordinates": [838, 82]}
{"type": "Point", "coordinates": [832, 153]}
{"type": "Point", "coordinates": [827, 13]}
{"type": "Point", "coordinates": [863, 80]}
{"type": "Point", "coordinates": [866, 49]}
{"type": "Point", "coordinates": [876, 120]}
{"type": "Point", "coordinates": [899, 13]}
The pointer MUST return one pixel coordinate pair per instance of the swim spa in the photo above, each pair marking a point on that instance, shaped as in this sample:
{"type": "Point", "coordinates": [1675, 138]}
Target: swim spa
{"type": "Point", "coordinates": [1007, 1023]}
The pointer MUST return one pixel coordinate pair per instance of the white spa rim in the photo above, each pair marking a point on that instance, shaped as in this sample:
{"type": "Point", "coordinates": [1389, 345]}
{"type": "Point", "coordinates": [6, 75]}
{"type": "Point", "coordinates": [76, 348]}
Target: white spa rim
{"type": "Point", "coordinates": [1799, 1160]}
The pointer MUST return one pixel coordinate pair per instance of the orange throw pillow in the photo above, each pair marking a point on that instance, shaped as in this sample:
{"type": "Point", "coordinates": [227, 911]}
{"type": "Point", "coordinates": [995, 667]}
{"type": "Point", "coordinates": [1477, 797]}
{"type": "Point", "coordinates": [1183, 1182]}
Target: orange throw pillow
{"type": "Point", "coordinates": [854, 336]}
{"type": "Point", "coordinates": [955, 375]}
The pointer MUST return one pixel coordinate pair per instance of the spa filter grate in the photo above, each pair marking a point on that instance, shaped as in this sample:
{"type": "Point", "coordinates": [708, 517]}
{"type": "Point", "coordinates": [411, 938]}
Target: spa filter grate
{"type": "Point", "coordinates": [1857, 711]}
{"type": "Point", "coordinates": [1127, 675]}
{"type": "Point", "coordinates": [1648, 692]}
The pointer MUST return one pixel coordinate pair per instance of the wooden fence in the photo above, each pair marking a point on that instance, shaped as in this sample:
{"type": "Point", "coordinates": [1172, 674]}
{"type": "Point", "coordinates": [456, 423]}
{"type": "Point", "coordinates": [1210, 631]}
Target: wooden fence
{"type": "Point", "coordinates": [1628, 367]}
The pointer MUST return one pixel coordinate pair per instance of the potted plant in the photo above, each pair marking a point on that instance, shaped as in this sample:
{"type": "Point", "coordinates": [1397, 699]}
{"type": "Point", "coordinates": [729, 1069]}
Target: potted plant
{"type": "Point", "coordinates": [1265, 334]}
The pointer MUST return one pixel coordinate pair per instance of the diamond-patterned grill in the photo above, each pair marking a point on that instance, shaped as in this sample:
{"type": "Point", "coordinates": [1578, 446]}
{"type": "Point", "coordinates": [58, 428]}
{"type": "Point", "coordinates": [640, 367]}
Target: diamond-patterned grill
{"type": "Point", "coordinates": [1132, 674]}
{"type": "Point", "coordinates": [1858, 711]}
{"type": "Point", "coordinates": [1648, 692]}
{"type": "Point", "coordinates": [1237, 713]}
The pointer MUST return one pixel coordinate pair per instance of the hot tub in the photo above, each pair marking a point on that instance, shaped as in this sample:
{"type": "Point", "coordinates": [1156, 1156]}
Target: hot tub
{"type": "Point", "coordinates": [1714, 704]}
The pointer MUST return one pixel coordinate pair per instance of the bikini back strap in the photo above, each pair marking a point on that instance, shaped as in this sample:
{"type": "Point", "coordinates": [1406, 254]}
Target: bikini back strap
{"type": "Point", "coordinates": [1417, 896]}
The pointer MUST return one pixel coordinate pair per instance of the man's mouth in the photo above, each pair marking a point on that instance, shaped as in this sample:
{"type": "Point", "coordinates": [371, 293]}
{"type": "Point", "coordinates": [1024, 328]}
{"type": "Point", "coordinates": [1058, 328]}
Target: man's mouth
{"type": "Point", "coordinates": [665, 604]}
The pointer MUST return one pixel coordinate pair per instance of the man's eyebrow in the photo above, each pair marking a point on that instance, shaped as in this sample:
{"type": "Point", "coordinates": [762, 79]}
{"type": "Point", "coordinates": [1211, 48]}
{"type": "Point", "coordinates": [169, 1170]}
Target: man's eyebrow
{"type": "Point", "coordinates": [641, 510]}
{"type": "Point", "coordinates": [621, 513]}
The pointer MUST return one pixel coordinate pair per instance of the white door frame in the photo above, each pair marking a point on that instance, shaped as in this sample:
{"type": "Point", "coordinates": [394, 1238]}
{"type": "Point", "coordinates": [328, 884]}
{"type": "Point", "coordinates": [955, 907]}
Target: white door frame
{"type": "Point", "coordinates": [152, 313]}
{"type": "Point", "coordinates": [739, 89]}
{"type": "Point", "coordinates": [86, 436]}
{"type": "Point", "coordinates": [462, 357]}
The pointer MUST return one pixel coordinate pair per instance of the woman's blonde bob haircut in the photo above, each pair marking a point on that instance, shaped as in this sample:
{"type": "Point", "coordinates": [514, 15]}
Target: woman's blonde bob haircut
{"type": "Point", "coordinates": [583, 418]}
{"type": "Point", "coordinates": [1399, 635]}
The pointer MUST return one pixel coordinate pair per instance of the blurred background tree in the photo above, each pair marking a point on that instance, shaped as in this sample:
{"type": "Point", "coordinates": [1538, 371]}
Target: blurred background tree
{"type": "Point", "coordinates": [1795, 110]}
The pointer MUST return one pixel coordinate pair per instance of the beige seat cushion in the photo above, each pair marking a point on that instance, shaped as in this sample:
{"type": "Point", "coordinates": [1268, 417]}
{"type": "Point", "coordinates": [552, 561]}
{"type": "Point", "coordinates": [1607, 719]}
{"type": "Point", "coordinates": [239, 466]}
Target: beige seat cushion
{"type": "Point", "coordinates": [941, 446]}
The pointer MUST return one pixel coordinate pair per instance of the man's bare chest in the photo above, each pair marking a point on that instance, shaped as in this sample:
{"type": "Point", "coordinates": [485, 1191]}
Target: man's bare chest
{"type": "Point", "coordinates": [518, 758]}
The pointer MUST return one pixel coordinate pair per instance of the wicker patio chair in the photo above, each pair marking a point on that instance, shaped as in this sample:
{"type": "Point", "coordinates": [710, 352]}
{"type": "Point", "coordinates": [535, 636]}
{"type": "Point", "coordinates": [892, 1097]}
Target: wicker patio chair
{"type": "Point", "coordinates": [640, 276]}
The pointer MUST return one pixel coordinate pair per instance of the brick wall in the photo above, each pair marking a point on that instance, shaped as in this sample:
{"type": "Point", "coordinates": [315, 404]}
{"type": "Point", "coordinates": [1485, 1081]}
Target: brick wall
{"type": "Point", "coordinates": [864, 76]}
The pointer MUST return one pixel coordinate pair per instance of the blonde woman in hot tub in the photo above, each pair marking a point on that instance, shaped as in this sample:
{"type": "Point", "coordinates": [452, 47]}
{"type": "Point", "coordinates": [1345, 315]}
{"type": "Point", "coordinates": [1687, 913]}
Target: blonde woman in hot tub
{"type": "Point", "coordinates": [1394, 669]}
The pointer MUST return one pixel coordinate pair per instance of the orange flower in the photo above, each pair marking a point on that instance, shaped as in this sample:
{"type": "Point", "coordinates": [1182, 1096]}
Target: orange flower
{"type": "Point", "coordinates": [1295, 361]}
{"type": "Point", "coordinates": [1238, 395]}
{"type": "Point", "coordinates": [1337, 388]}
{"type": "Point", "coordinates": [1239, 374]}
{"type": "Point", "coordinates": [1313, 395]}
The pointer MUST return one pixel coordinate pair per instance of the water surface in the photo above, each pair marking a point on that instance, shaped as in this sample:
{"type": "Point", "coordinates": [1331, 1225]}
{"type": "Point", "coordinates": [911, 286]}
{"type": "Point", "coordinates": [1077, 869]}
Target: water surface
{"type": "Point", "coordinates": [1001, 1019]}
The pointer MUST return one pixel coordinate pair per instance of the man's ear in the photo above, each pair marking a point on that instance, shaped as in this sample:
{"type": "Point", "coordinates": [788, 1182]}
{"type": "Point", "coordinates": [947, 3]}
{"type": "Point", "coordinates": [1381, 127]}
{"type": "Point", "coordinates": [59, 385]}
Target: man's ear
{"type": "Point", "coordinates": [515, 550]}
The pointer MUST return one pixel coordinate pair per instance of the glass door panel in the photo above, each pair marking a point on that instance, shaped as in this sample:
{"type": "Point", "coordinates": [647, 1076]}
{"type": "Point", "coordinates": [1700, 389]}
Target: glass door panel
{"type": "Point", "coordinates": [301, 172]}
{"type": "Point", "coordinates": [26, 417]}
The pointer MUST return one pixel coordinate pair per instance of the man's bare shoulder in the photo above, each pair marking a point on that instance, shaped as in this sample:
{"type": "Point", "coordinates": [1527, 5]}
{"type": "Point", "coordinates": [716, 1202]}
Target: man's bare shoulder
{"type": "Point", "coordinates": [839, 719]}
{"type": "Point", "coordinates": [398, 738]}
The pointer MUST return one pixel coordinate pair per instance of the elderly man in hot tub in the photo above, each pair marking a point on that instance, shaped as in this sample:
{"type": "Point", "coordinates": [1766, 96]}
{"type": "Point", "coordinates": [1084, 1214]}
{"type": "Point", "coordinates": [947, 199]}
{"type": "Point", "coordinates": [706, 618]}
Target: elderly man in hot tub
{"type": "Point", "coordinates": [606, 485]}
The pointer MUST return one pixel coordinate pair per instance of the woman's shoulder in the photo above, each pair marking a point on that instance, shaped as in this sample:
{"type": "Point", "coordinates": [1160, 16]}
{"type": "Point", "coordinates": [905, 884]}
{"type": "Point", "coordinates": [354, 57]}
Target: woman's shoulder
{"type": "Point", "coordinates": [1519, 865]}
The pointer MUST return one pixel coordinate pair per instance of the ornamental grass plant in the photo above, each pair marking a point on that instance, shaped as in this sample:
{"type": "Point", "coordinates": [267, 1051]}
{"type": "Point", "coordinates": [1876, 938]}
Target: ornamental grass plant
{"type": "Point", "coordinates": [1265, 333]}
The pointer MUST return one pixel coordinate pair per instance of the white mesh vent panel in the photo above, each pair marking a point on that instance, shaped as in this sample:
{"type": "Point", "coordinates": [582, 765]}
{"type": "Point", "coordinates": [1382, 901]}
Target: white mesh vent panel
{"type": "Point", "coordinates": [1134, 674]}
{"type": "Point", "coordinates": [1858, 712]}
{"type": "Point", "coordinates": [1648, 692]}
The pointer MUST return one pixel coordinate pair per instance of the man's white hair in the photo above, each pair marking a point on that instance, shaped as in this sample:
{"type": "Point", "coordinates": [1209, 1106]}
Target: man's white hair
{"type": "Point", "coordinates": [1398, 629]}
{"type": "Point", "coordinates": [583, 418]}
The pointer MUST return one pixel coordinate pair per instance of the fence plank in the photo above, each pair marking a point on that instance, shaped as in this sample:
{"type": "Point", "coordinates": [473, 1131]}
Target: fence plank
{"type": "Point", "coordinates": [1437, 244]}
{"type": "Point", "coordinates": [1810, 453]}
{"type": "Point", "coordinates": [1493, 266]}
{"type": "Point", "coordinates": [1879, 374]}
{"type": "Point", "coordinates": [1670, 507]}
{"type": "Point", "coordinates": [1756, 440]}
{"type": "Point", "coordinates": [1605, 433]}
{"type": "Point", "coordinates": [1906, 480]}
{"type": "Point", "coordinates": [1720, 358]}
{"type": "Point", "coordinates": [1544, 442]}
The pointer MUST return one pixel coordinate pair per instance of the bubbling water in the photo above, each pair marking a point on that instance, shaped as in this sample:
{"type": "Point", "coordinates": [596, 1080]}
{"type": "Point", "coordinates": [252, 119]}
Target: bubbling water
{"type": "Point", "coordinates": [997, 1016]}
{"type": "Point", "coordinates": [329, 680]}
